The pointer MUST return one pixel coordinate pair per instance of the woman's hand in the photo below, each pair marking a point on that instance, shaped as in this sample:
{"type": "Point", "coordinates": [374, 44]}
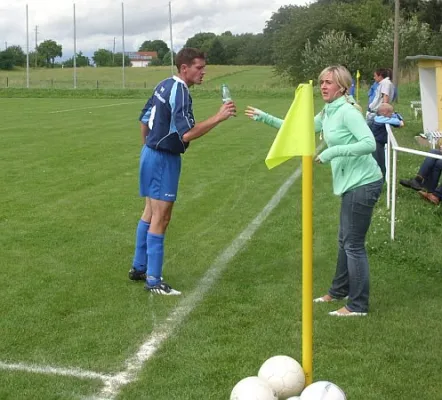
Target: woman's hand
{"type": "Point", "coordinates": [252, 112]}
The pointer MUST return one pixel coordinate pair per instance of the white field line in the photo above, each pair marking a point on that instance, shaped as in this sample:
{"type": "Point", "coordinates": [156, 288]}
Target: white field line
{"type": "Point", "coordinates": [94, 107]}
{"type": "Point", "coordinates": [48, 370]}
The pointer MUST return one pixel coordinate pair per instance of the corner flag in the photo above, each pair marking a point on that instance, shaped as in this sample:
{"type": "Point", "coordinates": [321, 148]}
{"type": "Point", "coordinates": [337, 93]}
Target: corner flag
{"type": "Point", "coordinates": [296, 137]}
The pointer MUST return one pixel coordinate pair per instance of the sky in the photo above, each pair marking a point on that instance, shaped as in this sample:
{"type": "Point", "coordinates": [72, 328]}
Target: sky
{"type": "Point", "coordinates": [99, 22]}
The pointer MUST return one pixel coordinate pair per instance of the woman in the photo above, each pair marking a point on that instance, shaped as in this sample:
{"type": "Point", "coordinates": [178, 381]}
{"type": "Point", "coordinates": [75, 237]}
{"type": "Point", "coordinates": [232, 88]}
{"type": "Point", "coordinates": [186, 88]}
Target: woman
{"type": "Point", "coordinates": [356, 178]}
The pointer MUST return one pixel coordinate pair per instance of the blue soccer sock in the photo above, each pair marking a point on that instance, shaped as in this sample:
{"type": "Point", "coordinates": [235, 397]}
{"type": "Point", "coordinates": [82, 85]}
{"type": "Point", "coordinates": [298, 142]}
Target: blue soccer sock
{"type": "Point", "coordinates": [140, 257]}
{"type": "Point", "coordinates": [155, 253]}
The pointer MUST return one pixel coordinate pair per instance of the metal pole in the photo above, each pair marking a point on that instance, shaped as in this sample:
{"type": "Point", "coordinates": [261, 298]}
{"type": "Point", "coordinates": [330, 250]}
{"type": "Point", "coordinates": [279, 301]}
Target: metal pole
{"type": "Point", "coordinates": [171, 37]}
{"type": "Point", "coordinates": [396, 44]}
{"type": "Point", "coordinates": [36, 51]}
{"type": "Point", "coordinates": [27, 47]}
{"type": "Point", "coordinates": [393, 194]}
{"type": "Point", "coordinates": [75, 51]}
{"type": "Point", "coordinates": [122, 24]}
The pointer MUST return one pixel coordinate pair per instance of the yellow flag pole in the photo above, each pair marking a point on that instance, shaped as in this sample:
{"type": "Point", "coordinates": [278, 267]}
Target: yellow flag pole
{"type": "Point", "coordinates": [307, 268]}
{"type": "Point", "coordinates": [358, 75]}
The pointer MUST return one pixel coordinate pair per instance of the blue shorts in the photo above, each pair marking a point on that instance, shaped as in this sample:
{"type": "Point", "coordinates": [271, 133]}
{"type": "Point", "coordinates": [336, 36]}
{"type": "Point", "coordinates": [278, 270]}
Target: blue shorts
{"type": "Point", "coordinates": [159, 174]}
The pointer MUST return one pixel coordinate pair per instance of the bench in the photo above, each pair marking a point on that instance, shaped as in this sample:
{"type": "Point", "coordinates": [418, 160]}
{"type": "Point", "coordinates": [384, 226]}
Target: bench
{"type": "Point", "coordinates": [416, 107]}
{"type": "Point", "coordinates": [431, 137]}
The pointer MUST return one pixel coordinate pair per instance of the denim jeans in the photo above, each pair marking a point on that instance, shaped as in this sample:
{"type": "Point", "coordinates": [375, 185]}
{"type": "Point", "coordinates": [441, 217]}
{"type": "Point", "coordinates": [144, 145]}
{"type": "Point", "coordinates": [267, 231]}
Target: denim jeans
{"type": "Point", "coordinates": [379, 156]}
{"type": "Point", "coordinates": [352, 270]}
{"type": "Point", "coordinates": [431, 170]}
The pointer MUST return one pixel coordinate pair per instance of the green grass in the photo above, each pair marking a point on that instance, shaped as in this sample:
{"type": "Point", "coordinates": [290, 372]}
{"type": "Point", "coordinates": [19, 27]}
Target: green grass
{"type": "Point", "coordinates": [68, 213]}
{"type": "Point", "coordinates": [135, 78]}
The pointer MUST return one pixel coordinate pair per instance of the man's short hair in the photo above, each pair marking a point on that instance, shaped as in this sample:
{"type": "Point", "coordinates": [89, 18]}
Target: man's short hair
{"type": "Point", "coordinates": [187, 55]}
{"type": "Point", "coordinates": [382, 72]}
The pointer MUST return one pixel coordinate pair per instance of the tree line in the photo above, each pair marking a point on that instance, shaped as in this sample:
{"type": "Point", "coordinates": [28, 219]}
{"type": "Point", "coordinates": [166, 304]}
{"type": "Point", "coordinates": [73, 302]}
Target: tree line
{"type": "Point", "coordinates": [297, 40]}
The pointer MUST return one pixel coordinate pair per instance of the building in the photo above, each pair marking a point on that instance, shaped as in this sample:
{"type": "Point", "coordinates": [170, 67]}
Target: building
{"type": "Point", "coordinates": [141, 58]}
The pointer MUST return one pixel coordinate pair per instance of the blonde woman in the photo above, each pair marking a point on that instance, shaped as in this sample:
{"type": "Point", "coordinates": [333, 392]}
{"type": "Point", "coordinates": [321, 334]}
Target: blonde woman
{"type": "Point", "coordinates": [357, 179]}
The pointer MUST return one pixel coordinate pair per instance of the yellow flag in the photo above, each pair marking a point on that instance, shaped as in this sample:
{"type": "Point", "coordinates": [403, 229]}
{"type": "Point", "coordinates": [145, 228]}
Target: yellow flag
{"type": "Point", "coordinates": [358, 75]}
{"type": "Point", "coordinates": [296, 137]}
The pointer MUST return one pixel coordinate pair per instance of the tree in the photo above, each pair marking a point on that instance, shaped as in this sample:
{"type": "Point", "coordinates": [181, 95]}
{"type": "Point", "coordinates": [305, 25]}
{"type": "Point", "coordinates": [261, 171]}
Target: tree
{"type": "Point", "coordinates": [6, 60]}
{"type": "Point", "coordinates": [414, 38]}
{"type": "Point", "coordinates": [166, 58]}
{"type": "Point", "coordinates": [18, 55]}
{"type": "Point", "coordinates": [80, 61]}
{"type": "Point", "coordinates": [118, 60]}
{"type": "Point", "coordinates": [332, 48]}
{"type": "Point", "coordinates": [49, 50]}
{"type": "Point", "coordinates": [201, 41]}
{"type": "Point", "coordinates": [155, 45]}
{"type": "Point", "coordinates": [40, 62]}
{"type": "Point", "coordinates": [215, 54]}
{"type": "Point", "coordinates": [103, 58]}
{"type": "Point", "coordinates": [358, 19]}
{"type": "Point", "coordinates": [254, 50]}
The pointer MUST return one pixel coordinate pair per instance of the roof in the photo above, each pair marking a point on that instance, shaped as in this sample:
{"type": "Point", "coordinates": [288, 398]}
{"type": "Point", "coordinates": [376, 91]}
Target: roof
{"type": "Point", "coordinates": [423, 57]}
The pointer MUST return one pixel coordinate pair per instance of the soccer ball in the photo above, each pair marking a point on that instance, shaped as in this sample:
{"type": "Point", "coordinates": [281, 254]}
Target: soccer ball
{"type": "Point", "coordinates": [252, 388]}
{"type": "Point", "coordinates": [284, 375]}
{"type": "Point", "coordinates": [323, 390]}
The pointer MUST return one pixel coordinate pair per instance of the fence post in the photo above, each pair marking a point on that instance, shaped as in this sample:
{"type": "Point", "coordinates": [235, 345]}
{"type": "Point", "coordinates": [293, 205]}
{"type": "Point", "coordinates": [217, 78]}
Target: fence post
{"type": "Point", "coordinates": [97, 83]}
{"type": "Point", "coordinates": [7, 81]}
{"type": "Point", "coordinates": [52, 83]}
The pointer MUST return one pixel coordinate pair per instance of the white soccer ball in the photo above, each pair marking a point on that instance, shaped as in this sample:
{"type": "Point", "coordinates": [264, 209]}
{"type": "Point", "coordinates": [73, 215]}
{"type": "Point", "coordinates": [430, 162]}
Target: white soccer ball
{"type": "Point", "coordinates": [323, 390]}
{"type": "Point", "coordinates": [284, 375]}
{"type": "Point", "coordinates": [252, 388]}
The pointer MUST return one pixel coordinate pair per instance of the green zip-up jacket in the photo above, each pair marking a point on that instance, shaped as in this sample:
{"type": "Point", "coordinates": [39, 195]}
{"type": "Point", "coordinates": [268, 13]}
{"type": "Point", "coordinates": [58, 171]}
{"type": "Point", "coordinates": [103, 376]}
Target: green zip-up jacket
{"type": "Point", "coordinates": [350, 144]}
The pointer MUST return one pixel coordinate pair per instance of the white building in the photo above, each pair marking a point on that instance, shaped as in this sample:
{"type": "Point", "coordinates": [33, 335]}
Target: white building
{"type": "Point", "coordinates": [141, 58]}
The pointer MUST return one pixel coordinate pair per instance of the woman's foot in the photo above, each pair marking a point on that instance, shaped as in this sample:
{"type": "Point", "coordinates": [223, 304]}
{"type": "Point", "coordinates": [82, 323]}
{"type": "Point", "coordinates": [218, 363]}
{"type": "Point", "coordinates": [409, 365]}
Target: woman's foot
{"type": "Point", "coordinates": [345, 312]}
{"type": "Point", "coordinates": [328, 299]}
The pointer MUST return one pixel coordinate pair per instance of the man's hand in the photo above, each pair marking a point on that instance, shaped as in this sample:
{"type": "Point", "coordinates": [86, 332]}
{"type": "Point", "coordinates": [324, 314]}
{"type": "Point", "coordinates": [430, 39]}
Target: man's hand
{"type": "Point", "coordinates": [226, 111]}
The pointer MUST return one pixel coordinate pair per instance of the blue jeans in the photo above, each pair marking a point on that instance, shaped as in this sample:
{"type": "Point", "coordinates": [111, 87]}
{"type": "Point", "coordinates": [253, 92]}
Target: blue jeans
{"type": "Point", "coordinates": [430, 171]}
{"type": "Point", "coordinates": [352, 270]}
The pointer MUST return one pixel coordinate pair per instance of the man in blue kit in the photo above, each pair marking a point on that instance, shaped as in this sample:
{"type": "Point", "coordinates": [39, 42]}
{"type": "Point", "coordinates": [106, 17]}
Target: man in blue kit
{"type": "Point", "coordinates": [167, 127]}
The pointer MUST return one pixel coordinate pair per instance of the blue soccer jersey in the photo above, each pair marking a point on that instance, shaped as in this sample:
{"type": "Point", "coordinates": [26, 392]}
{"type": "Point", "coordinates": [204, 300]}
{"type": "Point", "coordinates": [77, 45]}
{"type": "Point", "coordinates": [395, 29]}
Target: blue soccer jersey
{"type": "Point", "coordinates": [169, 115]}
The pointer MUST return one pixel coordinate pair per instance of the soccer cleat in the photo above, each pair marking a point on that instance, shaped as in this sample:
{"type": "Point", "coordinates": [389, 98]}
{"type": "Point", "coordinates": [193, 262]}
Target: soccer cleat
{"type": "Point", "coordinates": [135, 275]}
{"type": "Point", "coordinates": [162, 288]}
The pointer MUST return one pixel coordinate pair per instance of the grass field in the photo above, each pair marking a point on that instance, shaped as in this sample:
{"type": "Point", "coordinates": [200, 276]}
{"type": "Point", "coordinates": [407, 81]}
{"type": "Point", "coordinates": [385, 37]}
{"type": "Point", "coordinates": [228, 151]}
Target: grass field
{"type": "Point", "coordinates": [68, 213]}
{"type": "Point", "coordinates": [136, 78]}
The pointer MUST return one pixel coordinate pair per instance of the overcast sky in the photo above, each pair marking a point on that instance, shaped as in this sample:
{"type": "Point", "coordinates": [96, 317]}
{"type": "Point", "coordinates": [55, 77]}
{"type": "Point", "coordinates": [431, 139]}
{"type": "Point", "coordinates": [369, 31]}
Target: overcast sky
{"type": "Point", "coordinates": [100, 21]}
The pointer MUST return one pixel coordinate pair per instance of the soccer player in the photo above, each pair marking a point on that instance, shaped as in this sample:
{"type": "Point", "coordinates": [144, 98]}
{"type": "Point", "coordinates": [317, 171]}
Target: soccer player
{"type": "Point", "coordinates": [167, 128]}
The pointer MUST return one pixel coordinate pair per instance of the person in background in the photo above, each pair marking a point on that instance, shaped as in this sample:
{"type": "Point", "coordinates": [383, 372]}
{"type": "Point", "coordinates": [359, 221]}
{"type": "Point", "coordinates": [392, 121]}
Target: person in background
{"type": "Point", "coordinates": [427, 179]}
{"type": "Point", "coordinates": [384, 93]}
{"type": "Point", "coordinates": [167, 128]}
{"type": "Point", "coordinates": [385, 115]}
{"type": "Point", "coordinates": [357, 179]}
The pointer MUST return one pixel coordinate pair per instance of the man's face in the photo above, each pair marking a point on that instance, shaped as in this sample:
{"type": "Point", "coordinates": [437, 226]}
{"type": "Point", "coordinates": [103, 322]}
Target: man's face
{"type": "Point", "coordinates": [194, 74]}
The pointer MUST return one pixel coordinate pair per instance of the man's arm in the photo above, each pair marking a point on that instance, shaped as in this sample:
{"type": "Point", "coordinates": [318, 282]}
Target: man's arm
{"type": "Point", "coordinates": [144, 132]}
{"type": "Point", "coordinates": [201, 128]}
